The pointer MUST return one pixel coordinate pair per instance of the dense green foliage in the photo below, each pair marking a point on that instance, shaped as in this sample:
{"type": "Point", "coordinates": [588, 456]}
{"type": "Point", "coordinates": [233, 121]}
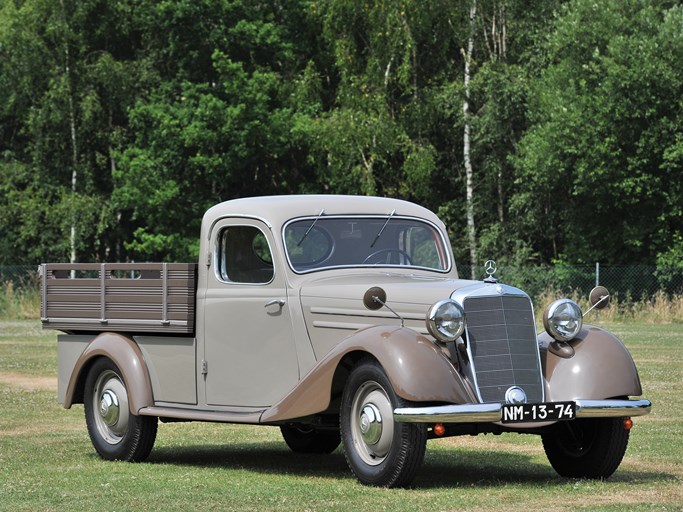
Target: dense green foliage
{"type": "Point", "coordinates": [122, 121]}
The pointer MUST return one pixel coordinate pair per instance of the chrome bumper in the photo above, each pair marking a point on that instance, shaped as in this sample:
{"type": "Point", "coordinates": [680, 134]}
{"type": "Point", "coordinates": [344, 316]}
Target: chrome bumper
{"type": "Point", "coordinates": [492, 413]}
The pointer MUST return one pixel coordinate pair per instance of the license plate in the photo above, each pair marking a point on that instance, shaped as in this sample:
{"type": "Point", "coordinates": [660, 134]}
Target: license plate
{"type": "Point", "coordinates": [529, 413]}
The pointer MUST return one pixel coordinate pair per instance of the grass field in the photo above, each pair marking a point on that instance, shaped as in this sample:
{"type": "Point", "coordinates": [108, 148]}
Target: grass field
{"type": "Point", "coordinates": [47, 462]}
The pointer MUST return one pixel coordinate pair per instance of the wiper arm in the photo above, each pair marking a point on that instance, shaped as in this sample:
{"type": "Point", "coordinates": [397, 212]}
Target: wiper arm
{"type": "Point", "coordinates": [310, 227]}
{"type": "Point", "coordinates": [382, 230]}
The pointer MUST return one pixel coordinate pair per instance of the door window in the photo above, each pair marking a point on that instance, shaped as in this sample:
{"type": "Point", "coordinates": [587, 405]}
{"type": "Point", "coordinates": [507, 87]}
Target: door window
{"type": "Point", "coordinates": [244, 255]}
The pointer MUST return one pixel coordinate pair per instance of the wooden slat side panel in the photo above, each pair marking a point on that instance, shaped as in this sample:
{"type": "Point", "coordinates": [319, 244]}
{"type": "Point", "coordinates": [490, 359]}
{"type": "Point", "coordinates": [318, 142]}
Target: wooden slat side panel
{"type": "Point", "coordinates": [125, 296]}
{"type": "Point", "coordinates": [116, 299]}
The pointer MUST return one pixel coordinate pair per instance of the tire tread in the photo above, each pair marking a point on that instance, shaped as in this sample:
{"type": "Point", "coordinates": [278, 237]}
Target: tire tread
{"type": "Point", "coordinates": [600, 460]}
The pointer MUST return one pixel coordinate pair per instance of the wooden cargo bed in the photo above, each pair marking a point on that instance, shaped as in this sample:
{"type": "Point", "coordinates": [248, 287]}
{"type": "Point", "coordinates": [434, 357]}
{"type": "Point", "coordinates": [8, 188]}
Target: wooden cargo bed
{"type": "Point", "coordinates": [124, 297]}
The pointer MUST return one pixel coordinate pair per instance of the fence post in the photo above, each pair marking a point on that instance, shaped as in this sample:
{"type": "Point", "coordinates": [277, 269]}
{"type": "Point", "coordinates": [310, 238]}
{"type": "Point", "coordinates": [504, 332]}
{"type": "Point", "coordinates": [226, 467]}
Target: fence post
{"type": "Point", "coordinates": [597, 273]}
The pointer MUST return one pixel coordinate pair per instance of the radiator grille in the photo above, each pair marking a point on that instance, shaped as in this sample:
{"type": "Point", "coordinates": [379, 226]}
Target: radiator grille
{"type": "Point", "coordinates": [502, 343]}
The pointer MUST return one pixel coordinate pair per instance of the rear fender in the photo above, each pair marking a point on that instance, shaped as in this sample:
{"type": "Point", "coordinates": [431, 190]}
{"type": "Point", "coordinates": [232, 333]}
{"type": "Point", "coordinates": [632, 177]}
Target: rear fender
{"type": "Point", "coordinates": [126, 355]}
{"type": "Point", "coordinates": [417, 369]}
{"type": "Point", "coordinates": [596, 367]}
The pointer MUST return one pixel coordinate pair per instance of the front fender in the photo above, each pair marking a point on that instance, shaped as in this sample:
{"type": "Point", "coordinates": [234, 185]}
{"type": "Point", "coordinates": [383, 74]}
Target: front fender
{"type": "Point", "coordinates": [126, 354]}
{"type": "Point", "coordinates": [417, 369]}
{"type": "Point", "coordinates": [600, 367]}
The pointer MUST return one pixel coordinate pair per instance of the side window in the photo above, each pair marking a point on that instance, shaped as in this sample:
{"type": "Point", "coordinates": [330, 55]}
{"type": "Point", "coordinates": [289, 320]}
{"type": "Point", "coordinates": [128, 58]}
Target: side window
{"type": "Point", "coordinates": [244, 255]}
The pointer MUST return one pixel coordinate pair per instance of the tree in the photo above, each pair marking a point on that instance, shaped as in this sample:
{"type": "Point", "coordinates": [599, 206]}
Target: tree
{"type": "Point", "coordinates": [508, 40]}
{"type": "Point", "coordinates": [597, 179]}
{"type": "Point", "coordinates": [471, 227]}
{"type": "Point", "coordinates": [555, 131]}
{"type": "Point", "coordinates": [363, 142]}
{"type": "Point", "coordinates": [69, 82]}
{"type": "Point", "coordinates": [221, 123]}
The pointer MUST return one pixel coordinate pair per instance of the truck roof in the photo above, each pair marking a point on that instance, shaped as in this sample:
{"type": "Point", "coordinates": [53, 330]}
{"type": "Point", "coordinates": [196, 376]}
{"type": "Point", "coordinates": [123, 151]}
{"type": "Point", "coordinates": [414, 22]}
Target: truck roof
{"type": "Point", "coordinates": [276, 210]}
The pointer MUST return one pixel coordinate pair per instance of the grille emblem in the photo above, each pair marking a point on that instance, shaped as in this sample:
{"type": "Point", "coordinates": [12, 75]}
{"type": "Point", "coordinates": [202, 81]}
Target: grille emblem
{"type": "Point", "coordinates": [515, 395]}
{"type": "Point", "coordinates": [490, 269]}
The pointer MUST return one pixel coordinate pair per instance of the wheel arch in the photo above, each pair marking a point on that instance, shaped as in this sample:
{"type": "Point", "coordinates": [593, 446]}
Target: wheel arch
{"type": "Point", "coordinates": [127, 356]}
{"type": "Point", "coordinates": [417, 369]}
{"type": "Point", "coordinates": [599, 367]}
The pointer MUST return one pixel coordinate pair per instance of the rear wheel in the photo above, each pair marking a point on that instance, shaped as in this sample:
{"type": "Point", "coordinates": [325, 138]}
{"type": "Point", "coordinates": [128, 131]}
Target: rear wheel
{"type": "Point", "coordinates": [304, 439]}
{"type": "Point", "coordinates": [115, 433]}
{"type": "Point", "coordinates": [587, 448]}
{"type": "Point", "coordinates": [378, 450]}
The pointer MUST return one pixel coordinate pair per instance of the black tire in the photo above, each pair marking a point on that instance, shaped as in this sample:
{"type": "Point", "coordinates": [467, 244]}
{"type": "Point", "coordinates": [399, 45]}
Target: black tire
{"type": "Point", "coordinates": [304, 439]}
{"type": "Point", "coordinates": [378, 450]}
{"type": "Point", "coordinates": [586, 448]}
{"type": "Point", "coordinates": [115, 433]}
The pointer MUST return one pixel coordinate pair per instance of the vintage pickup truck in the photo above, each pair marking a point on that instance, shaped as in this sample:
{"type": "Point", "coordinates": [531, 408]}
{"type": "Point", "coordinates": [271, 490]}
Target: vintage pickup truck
{"type": "Point", "coordinates": [340, 319]}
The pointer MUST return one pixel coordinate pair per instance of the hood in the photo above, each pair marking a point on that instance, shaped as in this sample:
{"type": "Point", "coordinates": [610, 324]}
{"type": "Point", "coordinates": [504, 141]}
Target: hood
{"type": "Point", "coordinates": [401, 289]}
{"type": "Point", "coordinates": [333, 306]}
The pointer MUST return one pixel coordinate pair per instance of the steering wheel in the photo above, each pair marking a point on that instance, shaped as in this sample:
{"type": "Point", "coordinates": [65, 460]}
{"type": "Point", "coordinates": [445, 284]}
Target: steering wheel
{"type": "Point", "coordinates": [388, 251]}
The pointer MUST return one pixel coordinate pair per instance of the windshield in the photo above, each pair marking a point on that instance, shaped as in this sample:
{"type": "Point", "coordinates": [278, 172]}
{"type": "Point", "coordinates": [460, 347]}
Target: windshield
{"type": "Point", "coordinates": [315, 243]}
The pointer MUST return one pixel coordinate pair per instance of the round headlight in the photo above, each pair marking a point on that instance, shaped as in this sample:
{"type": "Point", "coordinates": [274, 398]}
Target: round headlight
{"type": "Point", "coordinates": [446, 320]}
{"type": "Point", "coordinates": [563, 319]}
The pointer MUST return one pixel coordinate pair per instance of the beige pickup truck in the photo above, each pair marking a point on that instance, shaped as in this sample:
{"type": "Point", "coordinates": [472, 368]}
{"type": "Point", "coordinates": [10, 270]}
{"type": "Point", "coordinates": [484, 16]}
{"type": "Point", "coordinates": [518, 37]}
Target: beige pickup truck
{"type": "Point", "coordinates": [342, 320]}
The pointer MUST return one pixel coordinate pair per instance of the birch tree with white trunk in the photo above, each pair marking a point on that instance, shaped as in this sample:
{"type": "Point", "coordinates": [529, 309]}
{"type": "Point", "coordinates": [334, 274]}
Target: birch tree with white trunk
{"type": "Point", "coordinates": [467, 116]}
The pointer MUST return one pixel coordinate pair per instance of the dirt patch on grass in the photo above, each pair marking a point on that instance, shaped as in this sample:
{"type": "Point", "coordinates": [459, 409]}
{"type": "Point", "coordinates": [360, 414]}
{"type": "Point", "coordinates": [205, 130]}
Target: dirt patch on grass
{"type": "Point", "coordinates": [28, 382]}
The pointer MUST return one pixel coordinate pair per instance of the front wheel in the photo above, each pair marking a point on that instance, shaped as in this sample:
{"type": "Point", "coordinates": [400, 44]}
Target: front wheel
{"type": "Point", "coordinates": [115, 433]}
{"type": "Point", "coordinates": [586, 448]}
{"type": "Point", "coordinates": [378, 450]}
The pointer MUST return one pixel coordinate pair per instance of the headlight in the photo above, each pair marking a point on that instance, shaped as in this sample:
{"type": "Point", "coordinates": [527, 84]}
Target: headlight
{"type": "Point", "coordinates": [446, 320]}
{"type": "Point", "coordinates": [563, 319]}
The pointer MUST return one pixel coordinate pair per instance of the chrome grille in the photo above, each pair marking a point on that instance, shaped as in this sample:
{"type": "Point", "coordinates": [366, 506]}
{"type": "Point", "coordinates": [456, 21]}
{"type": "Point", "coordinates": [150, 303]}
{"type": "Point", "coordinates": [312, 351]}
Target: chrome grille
{"type": "Point", "coordinates": [502, 346]}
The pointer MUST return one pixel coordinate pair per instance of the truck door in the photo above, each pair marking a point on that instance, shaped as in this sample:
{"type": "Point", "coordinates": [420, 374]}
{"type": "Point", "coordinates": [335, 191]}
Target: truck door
{"type": "Point", "coordinates": [249, 345]}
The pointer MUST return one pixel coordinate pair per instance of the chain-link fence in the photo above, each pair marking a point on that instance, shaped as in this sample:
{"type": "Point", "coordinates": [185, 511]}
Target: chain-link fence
{"type": "Point", "coordinates": [19, 275]}
{"type": "Point", "coordinates": [628, 283]}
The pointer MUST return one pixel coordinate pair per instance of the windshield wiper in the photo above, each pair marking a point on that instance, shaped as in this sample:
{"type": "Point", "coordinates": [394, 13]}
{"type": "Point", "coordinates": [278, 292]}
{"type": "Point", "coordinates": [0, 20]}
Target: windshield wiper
{"type": "Point", "coordinates": [310, 227]}
{"type": "Point", "coordinates": [382, 230]}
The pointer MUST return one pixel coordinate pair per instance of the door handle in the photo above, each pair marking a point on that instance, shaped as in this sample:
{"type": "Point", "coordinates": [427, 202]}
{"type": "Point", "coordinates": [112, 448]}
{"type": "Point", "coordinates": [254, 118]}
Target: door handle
{"type": "Point", "coordinates": [279, 302]}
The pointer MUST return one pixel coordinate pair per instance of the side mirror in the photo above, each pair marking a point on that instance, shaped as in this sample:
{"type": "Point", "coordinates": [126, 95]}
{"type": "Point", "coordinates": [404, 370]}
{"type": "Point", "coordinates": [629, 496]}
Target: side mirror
{"type": "Point", "coordinates": [374, 298]}
{"type": "Point", "coordinates": [599, 298]}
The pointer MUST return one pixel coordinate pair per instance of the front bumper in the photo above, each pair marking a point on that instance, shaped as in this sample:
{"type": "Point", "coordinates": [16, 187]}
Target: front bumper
{"type": "Point", "coordinates": [492, 413]}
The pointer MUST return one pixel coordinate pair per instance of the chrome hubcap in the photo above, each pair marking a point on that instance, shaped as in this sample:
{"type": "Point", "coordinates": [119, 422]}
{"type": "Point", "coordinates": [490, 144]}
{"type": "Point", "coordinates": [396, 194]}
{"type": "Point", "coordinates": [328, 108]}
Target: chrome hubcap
{"type": "Point", "coordinates": [110, 401]}
{"type": "Point", "coordinates": [109, 408]}
{"type": "Point", "coordinates": [372, 425]}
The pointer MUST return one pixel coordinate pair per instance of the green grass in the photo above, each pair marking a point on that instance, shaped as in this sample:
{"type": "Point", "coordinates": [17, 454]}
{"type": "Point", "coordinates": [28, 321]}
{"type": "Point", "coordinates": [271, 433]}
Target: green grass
{"type": "Point", "coordinates": [22, 302]}
{"type": "Point", "coordinates": [47, 462]}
